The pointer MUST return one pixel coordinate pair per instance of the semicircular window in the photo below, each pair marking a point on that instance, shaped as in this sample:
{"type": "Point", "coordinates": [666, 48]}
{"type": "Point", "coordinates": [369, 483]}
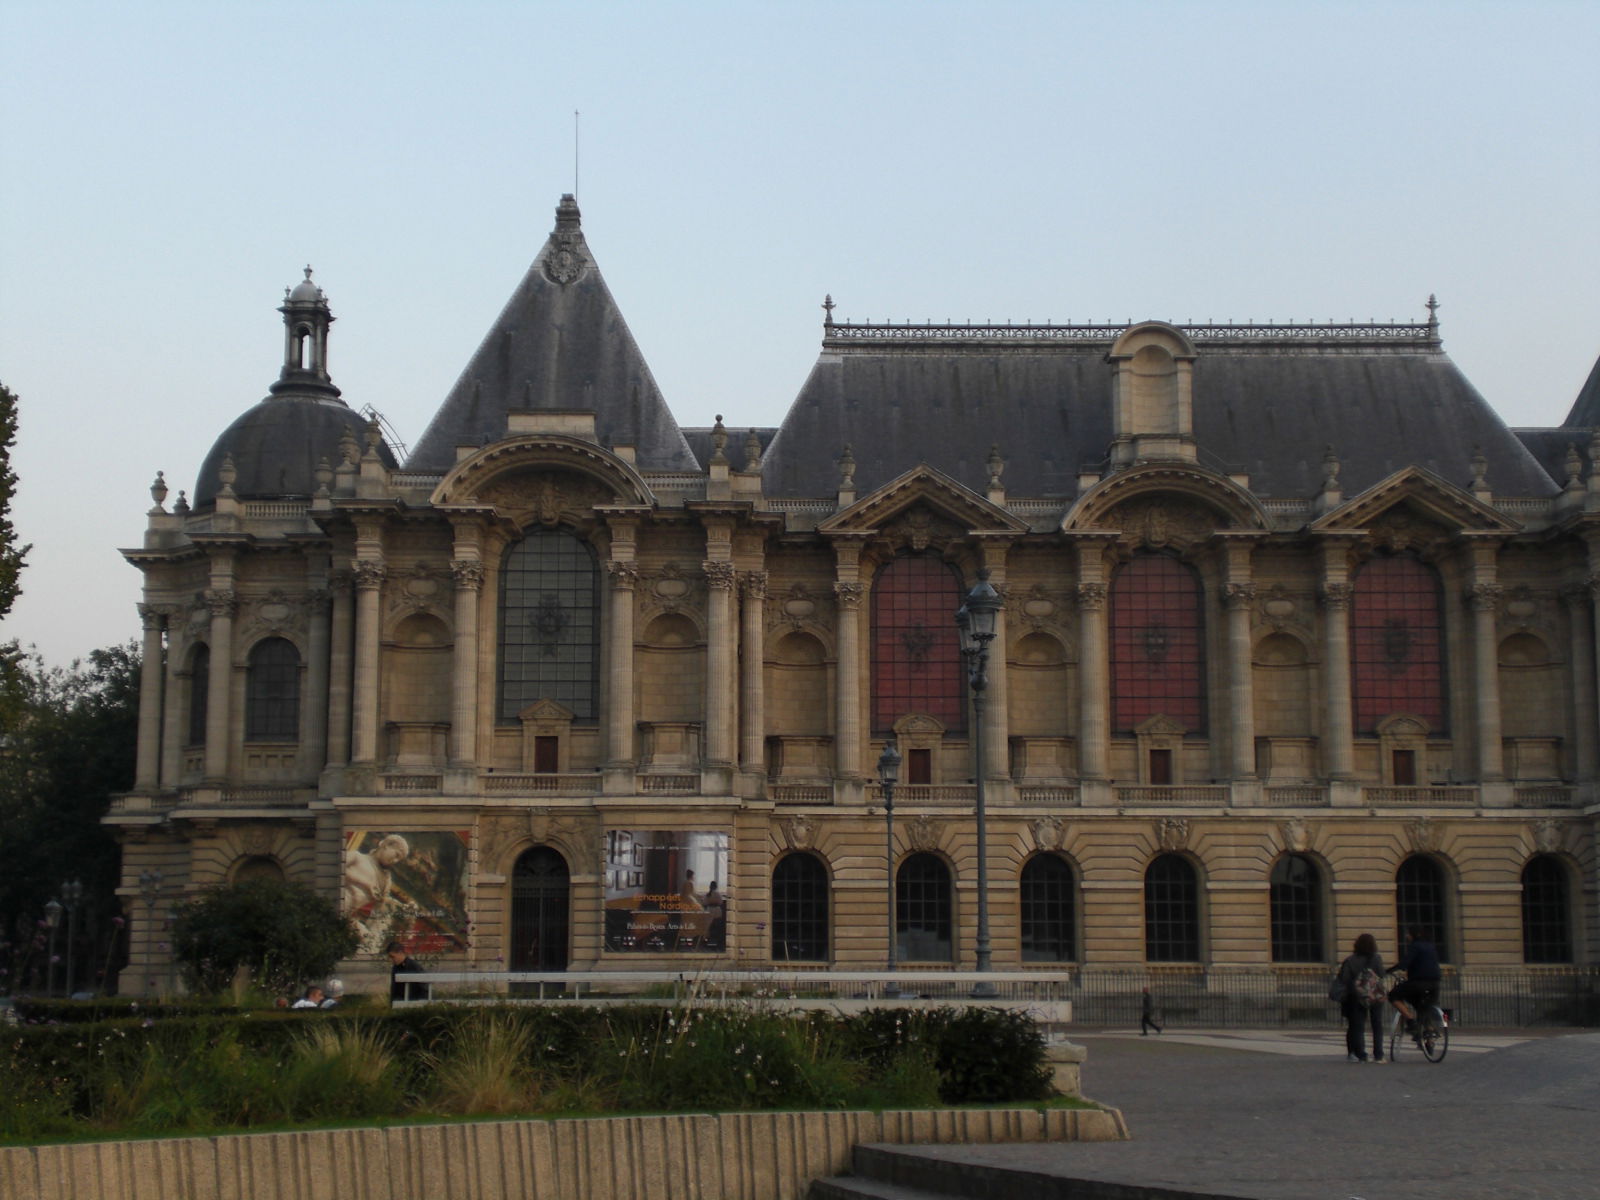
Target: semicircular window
{"type": "Point", "coordinates": [549, 625]}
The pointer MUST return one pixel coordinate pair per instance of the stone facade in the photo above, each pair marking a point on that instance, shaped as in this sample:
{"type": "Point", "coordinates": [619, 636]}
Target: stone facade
{"type": "Point", "coordinates": [1225, 724]}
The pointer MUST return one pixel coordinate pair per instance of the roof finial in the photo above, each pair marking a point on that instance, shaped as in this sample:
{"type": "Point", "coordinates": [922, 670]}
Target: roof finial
{"type": "Point", "coordinates": [158, 490]}
{"type": "Point", "coordinates": [1433, 316]}
{"type": "Point", "coordinates": [847, 469]}
{"type": "Point", "coordinates": [719, 441]}
{"type": "Point", "coordinates": [996, 464]}
{"type": "Point", "coordinates": [827, 309]}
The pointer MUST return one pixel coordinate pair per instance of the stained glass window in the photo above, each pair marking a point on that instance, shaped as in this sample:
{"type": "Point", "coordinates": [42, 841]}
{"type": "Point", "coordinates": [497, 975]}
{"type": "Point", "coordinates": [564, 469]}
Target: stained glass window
{"type": "Point", "coordinates": [916, 654]}
{"type": "Point", "coordinates": [1397, 643]}
{"type": "Point", "coordinates": [549, 625]}
{"type": "Point", "coordinates": [1157, 644]}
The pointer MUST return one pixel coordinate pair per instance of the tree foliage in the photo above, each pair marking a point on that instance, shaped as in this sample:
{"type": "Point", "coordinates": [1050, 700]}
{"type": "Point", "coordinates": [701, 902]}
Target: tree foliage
{"type": "Point", "coordinates": [69, 744]}
{"type": "Point", "coordinates": [11, 554]}
{"type": "Point", "coordinates": [286, 934]}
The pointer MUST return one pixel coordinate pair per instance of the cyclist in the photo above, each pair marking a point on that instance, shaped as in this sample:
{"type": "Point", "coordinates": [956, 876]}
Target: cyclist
{"type": "Point", "coordinates": [1420, 987]}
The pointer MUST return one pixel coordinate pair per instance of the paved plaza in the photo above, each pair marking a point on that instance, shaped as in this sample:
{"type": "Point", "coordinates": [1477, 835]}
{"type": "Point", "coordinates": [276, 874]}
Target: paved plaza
{"type": "Point", "coordinates": [1282, 1115]}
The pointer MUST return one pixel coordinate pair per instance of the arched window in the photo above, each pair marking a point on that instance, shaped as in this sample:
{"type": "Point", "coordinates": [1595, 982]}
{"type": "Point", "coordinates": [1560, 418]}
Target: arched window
{"type": "Point", "coordinates": [1048, 925]}
{"type": "Point", "coordinates": [800, 909]}
{"type": "Point", "coordinates": [1419, 902]}
{"type": "Point", "coordinates": [549, 625]}
{"type": "Point", "coordinates": [539, 909]}
{"type": "Point", "coordinates": [922, 910]}
{"type": "Point", "coordinates": [1157, 644]}
{"type": "Point", "coordinates": [272, 692]}
{"type": "Point", "coordinates": [199, 694]}
{"type": "Point", "coordinates": [258, 866]}
{"type": "Point", "coordinates": [1296, 910]}
{"type": "Point", "coordinates": [916, 655]}
{"type": "Point", "coordinates": [1171, 911]}
{"type": "Point", "coordinates": [1546, 927]}
{"type": "Point", "coordinates": [1397, 644]}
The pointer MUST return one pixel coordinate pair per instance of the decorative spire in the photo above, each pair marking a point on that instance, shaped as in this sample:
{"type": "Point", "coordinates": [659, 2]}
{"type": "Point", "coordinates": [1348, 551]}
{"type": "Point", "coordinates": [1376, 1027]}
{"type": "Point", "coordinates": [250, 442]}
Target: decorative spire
{"type": "Point", "coordinates": [306, 318]}
{"type": "Point", "coordinates": [1433, 317]}
{"type": "Point", "coordinates": [719, 442]}
{"type": "Point", "coordinates": [827, 311]}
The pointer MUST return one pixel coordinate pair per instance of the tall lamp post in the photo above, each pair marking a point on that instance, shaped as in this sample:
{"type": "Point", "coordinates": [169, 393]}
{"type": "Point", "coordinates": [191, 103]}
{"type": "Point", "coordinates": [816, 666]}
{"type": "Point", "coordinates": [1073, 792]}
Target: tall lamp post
{"type": "Point", "coordinates": [888, 776]}
{"type": "Point", "coordinates": [975, 621]}
{"type": "Point", "coordinates": [72, 896]}
{"type": "Point", "coordinates": [52, 921]}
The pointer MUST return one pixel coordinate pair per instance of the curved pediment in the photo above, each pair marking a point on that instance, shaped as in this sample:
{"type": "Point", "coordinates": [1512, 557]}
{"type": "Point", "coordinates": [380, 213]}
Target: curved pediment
{"type": "Point", "coordinates": [1164, 503]}
{"type": "Point", "coordinates": [537, 478]}
{"type": "Point", "coordinates": [928, 506]}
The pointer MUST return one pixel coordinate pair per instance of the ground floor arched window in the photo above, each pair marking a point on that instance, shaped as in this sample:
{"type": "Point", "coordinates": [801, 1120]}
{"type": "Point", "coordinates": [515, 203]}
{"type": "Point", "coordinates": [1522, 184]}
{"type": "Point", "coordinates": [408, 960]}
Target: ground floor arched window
{"type": "Point", "coordinates": [800, 909]}
{"type": "Point", "coordinates": [1171, 911]}
{"type": "Point", "coordinates": [1419, 903]}
{"type": "Point", "coordinates": [540, 910]}
{"type": "Point", "coordinates": [1546, 922]}
{"type": "Point", "coordinates": [1048, 910]}
{"type": "Point", "coordinates": [1296, 910]}
{"type": "Point", "coordinates": [923, 917]}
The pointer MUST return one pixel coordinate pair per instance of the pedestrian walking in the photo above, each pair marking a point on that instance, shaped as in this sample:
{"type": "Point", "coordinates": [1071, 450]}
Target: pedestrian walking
{"type": "Point", "coordinates": [1363, 999]}
{"type": "Point", "coordinates": [1147, 1013]}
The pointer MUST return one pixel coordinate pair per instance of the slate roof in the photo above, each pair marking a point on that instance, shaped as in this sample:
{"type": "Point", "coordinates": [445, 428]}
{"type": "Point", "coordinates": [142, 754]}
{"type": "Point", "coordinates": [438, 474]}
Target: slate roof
{"type": "Point", "coordinates": [277, 444]}
{"type": "Point", "coordinates": [559, 344]}
{"type": "Point", "coordinates": [1585, 412]}
{"type": "Point", "coordinates": [1268, 402]}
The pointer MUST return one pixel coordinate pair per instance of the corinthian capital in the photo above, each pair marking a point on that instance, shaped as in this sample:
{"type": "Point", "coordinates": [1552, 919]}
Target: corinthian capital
{"type": "Point", "coordinates": [719, 574]}
{"type": "Point", "coordinates": [1335, 596]}
{"type": "Point", "coordinates": [468, 573]}
{"type": "Point", "coordinates": [1091, 597]}
{"type": "Point", "coordinates": [152, 617]}
{"type": "Point", "coordinates": [368, 575]}
{"type": "Point", "coordinates": [1484, 597]}
{"type": "Point", "coordinates": [624, 575]}
{"type": "Point", "coordinates": [222, 602]}
{"type": "Point", "coordinates": [1238, 595]}
{"type": "Point", "coordinates": [755, 585]}
{"type": "Point", "coordinates": [848, 595]}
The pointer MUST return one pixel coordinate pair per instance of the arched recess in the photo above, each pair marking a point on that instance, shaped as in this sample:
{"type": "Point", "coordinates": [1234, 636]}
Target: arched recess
{"type": "Point", "coordinates": [799, 706]}
{"type": "Point", "coordinates": [1165, 505]}
{"type": "Point", "coordinates": [540, 477]}
{"type": "Point", "coordinates": [416, 677]}
{"type": "Point", "coordinates": [1530, 677]}
{"type": "Point", "coordinates": [1041, 689]}
{"type": "Point", "coordinates": [1284, 680]}
{"type": "Point", "coordinates": [801, 918]}
{"type": "Point", "coordinates": [541, 905]}
{"type": "Point", "coordinates": [669, 692]}
{"type": "Point", "coordinates": [257, 866]}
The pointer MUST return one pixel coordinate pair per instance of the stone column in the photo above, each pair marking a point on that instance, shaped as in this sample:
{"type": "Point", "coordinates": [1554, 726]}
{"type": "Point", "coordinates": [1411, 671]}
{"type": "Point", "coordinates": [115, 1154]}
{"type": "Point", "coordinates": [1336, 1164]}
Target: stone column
{"type": "Point", "coordinates": [341, 636]}
{"type": "Point", "coordinates": [467, 570]}
{"type": "Point", "coordinates": [315, 716]}
{"type": "Point", "coordinates": [621, 753]}
{"type": "Point", "coordinates": [1335, 595]}
{"type": "Point", "coordinates": [752, 663]}
{"type": "Point", "coordinates": [1239, 599]}
{"type": "Point", "coordinates": [147, 773]}
{"type": "Point", "coordinates": [175, 724]}
{"type": "Point", "coordinates": [1585, 725]}
{"type": "Point", "coordinates": [1094, 673]}
{"type": "Point", "coordinates": [223, 603]}
{"type": "Point", "coordinates": [847, 682]}
{"type": "Point", "coordinates": [364, 708]}
{"type": "Point", "coordinates": [719, 661]}
{"type": "Point", "coordinates": [1483, 598]}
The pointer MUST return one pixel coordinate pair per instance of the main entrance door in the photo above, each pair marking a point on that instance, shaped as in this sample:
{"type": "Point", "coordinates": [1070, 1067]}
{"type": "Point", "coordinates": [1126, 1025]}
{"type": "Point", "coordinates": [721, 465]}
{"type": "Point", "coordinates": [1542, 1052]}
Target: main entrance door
{"type": "Point", "coordinates": [540, 904]}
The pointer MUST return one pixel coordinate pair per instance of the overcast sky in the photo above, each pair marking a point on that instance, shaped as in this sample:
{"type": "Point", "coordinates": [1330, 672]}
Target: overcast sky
{"type": "Point", "coordinates": [169, 168]}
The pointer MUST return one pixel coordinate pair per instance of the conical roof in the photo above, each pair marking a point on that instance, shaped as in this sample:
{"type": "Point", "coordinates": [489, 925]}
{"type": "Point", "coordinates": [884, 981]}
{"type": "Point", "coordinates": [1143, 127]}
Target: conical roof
{"type": "Point", "coordinates": [559, 344]}
{"type": "Point", "coordinates": [1585, 412]}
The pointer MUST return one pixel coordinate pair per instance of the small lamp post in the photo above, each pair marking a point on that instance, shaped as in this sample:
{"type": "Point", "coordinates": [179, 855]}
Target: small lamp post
{"type": "Point", "coordinates": [888, 776]}
{"type": "Point", "coordinates": [975, 622]}
{"type": "Point", "coordinates": [72, 896]}
{"type": "Point", "coordinates": [52, 922]}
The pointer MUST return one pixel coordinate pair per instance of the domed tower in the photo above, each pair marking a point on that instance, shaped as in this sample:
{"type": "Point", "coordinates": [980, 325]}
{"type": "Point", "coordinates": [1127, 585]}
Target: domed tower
{"type": "Point", "coordinates": [273, 450]}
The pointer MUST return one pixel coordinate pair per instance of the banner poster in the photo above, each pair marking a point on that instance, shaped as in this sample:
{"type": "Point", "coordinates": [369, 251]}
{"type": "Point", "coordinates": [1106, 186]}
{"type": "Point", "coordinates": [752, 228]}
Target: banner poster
{"type": "Point", "coordinates": [665, 891]}
{"type": "Point", "coordinates": [407, 886]}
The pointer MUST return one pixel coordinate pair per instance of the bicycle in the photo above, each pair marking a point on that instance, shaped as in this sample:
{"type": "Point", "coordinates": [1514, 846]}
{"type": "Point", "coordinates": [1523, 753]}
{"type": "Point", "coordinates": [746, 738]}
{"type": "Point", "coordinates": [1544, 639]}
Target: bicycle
{"type": "Point", "coordinates": [1431, 1034]}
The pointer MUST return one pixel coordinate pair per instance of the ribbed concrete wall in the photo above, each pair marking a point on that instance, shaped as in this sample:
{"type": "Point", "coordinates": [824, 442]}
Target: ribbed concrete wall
{"type": "Point", "coordinates": [734, 1156]}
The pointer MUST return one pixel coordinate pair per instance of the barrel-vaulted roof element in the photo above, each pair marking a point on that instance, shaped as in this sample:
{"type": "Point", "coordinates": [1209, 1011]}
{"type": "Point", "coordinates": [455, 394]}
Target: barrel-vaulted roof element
{"type": "Point", "coordinates": [560, 344]}
{"type": "Point", "coordinates": [1268, 400]}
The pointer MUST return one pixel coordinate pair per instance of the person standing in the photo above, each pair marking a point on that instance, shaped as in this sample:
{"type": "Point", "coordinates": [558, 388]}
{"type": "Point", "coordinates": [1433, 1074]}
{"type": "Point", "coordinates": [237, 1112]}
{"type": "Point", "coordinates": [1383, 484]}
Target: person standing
{"type": "Point", "coordinates": [1147, 1013]}
{"type": "Point", "coordinates": [1362, 1004]}
{"type": "Point", "coordinates": [401, 963]}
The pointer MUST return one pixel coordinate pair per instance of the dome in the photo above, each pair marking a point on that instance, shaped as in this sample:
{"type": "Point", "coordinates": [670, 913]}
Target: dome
{"type": "Point", "coordinates": [305, 292]}
{"type": "Point", "coordinates": [277, 445]}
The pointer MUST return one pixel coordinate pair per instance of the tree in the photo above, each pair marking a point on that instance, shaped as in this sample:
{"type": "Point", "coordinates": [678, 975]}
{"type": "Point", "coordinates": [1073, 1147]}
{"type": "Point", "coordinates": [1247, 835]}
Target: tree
{"type": "Point", "coordinates": [68, 746]}
{"type": "Point", "coordinates": [286, 934]}
{"type": "Point", "coordinates": [11, 555]}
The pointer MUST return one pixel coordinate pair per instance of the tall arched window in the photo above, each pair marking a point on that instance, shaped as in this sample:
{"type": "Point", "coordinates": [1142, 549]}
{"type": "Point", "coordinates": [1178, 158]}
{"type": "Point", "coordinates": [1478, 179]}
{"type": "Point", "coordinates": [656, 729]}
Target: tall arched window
{"type": "Point", "coordinates": [923, 910]}
{"type": "Point", "coordinates": [1546, 923]}
{"type": "Point", "coordinates": [1171, 911]}
{"type": "Point", "coordinates": [800, 909]}
{"type": "Point", "coordinates": [1157, 644]}
{"type": "Point", "coordinates": [1397, 644]}
{"type": "Point", "coordinates": [916, 655]}
{"type": "Point", "coordinates": [549, 625]}
{"type": "Point", "coordinates": [540, 905]}
{"type": "Point", "coordinates": [1419, 903]}
{"type": "Point", "coordinates": [1048, 910]}
{"type": "Point", "coordinates": [199, 694]}
{"type": "Point", "coordinates": [1296, 910]}
{"type": "Point", "coordinates": [272, 692]}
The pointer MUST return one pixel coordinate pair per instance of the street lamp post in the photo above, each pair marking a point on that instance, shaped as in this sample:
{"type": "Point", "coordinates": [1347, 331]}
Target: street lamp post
{"type": "Point", "coordinates": [888, 776]}
{"type": "Point", "coordinates": [52, 921]}
{"type": "Point", "coordinates": [72, 896]}
{"type": "Point", "coordinates": [975, 621]}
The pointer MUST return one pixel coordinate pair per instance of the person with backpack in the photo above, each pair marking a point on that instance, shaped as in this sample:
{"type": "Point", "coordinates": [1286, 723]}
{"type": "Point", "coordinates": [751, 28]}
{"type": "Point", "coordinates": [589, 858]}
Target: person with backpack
{"type": "Point", "coordinates": [1363, 1000]}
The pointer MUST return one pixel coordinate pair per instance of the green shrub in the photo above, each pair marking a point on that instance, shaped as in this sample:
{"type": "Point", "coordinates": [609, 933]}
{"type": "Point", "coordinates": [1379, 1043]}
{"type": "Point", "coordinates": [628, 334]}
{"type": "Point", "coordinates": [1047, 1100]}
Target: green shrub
{"type": "Point", "coordinates": [286, 935]}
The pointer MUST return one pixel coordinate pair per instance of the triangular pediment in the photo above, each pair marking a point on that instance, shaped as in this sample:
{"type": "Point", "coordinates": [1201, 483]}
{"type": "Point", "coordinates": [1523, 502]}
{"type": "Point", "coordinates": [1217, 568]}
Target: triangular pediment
{"type": "Point", "coordinates": [1415, 494]}
{"type": "Point", "coordinates": [923, 495]}
{"type": "Point", "coordinates": [545, 710]}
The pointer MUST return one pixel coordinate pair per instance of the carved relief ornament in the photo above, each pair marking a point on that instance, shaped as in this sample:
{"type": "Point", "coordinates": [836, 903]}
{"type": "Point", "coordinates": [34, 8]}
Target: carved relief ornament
{"type": "Point", "coordinates": [798, 832]}
{"type": "Point", "coordinates": [1160, 524]}
{"type": "Point", "coordinates": [922, 833]}
{"type": "Point", "coordinates": [1172, 833]}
